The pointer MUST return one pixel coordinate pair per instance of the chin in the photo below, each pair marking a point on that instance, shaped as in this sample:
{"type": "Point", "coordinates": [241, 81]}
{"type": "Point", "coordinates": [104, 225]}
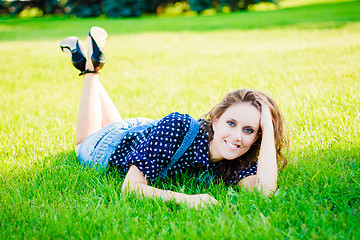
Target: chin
{"type": "Point", "coordinates": [231, 157]}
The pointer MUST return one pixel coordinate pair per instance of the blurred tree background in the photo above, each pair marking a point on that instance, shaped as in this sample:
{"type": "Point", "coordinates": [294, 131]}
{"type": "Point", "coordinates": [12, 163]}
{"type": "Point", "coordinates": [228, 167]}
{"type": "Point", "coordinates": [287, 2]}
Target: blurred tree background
{"type": "Point", "coordinates": [121, 8]}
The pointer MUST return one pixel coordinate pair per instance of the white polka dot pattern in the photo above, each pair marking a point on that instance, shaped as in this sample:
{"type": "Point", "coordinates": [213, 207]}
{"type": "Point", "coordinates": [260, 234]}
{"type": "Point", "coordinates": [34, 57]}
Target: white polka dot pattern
{"type": "Point", "coordinates": [160, 143]}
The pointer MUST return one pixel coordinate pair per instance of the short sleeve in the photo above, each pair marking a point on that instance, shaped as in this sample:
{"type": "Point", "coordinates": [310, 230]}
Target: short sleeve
{"type": "Point", "coordinates": [152, 155]}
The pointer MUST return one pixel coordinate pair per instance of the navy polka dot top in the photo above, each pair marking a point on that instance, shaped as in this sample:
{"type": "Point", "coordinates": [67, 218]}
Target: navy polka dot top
{"type": "Point", "coordinates": [151, 150]}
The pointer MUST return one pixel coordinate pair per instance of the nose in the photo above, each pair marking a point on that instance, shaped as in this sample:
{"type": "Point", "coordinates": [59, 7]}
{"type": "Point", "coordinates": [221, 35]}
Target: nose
{"type": "Point", "coordinates": [237, 136]}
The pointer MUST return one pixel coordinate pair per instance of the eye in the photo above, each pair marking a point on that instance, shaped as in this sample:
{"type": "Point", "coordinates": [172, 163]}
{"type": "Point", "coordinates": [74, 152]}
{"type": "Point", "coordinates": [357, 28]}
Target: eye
{"type": "Point", "coordinates": [231, 123]}
{"type": "Point", "coordinates": [248, 130]}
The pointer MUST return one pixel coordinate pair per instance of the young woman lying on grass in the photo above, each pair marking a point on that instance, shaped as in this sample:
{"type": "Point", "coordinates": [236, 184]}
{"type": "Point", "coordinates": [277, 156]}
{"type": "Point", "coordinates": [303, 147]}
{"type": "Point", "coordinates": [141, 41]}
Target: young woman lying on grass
{"type": "Point", "coordinates": [240, 139]}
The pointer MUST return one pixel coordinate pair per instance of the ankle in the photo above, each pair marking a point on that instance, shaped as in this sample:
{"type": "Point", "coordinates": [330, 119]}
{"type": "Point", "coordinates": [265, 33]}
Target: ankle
{"type": "Point", "coordinates": [87, 71]}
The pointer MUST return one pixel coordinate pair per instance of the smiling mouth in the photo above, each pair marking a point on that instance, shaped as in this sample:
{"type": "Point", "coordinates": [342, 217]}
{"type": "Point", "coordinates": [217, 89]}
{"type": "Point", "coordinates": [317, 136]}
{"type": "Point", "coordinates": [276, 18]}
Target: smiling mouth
{"type": "Point", "coordinates": [233, 146]}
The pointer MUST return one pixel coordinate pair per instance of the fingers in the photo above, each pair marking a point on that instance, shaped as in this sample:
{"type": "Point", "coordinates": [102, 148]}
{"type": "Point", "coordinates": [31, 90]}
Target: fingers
{"type": "Point", "coordinates": [202, 200]}
{"type": "Point", "coordinates": [265, 114]}
{"type": "Point", "coordinates": [264, 104]}
{"type": "Point", "coordinates": [207, 199]}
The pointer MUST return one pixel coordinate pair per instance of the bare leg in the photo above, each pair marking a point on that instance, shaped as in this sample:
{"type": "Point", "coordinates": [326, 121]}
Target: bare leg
{"type": "Point", "coordinates": [110, 113]}
{"type": "Point", "coordinates": [96, 109]}
{"type": "Point", "coordinates": [90, 113]}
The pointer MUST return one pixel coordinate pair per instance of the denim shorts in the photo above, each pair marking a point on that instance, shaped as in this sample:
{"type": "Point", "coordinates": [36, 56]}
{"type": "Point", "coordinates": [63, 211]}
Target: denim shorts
{"type": "Point", "coordinates": [96, 149]}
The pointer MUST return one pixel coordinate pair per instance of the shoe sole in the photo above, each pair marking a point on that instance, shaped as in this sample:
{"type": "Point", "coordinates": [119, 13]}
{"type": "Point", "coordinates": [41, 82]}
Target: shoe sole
{"type": "Point", "coordinates": [96, 42]}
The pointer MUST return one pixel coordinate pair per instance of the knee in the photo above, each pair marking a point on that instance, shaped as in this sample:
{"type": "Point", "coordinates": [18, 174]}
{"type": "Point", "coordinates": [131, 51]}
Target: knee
{"type": "Point", "coordinates": [77, 146]}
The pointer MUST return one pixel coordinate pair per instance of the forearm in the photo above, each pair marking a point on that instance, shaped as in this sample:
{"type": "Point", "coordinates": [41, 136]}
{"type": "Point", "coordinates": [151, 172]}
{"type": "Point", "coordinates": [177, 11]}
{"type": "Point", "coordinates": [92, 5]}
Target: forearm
{"type": "Point", "coordinates": [149, 191]}
{"type": "Point", "coordinates": [266, 176]}
{"type": "Point", "coordinates": [136, 182]}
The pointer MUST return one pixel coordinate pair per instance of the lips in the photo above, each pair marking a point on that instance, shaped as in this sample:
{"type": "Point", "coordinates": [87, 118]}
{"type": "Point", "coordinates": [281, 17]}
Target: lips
{"type": "Point", "coordinates": [231, 145]}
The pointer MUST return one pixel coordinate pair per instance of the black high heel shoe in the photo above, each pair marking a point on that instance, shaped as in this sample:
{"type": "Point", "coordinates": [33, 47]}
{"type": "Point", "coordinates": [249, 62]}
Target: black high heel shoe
{"type": "Point", "coordinates": [75, 49]}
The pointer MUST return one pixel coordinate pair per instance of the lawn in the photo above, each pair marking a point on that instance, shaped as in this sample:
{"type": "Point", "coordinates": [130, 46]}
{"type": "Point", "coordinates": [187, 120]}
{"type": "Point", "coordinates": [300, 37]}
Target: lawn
{"type": "Point", "coordinates": [306, 57]}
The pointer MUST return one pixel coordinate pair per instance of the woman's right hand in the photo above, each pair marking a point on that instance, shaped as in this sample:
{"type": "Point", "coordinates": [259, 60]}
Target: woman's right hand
{"type": "Point", "coordinates": [136, 181]}
{"type": "Point", "coordinates": [200, 200]}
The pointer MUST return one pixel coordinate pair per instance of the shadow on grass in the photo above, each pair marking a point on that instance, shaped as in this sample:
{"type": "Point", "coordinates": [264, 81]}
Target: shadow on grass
{"type": "Point", "coordinates": [66, 200]}
{"type": "Point", "coordinates": [326, 15]}
{"type": "Point", "coordinates": [326, 178]}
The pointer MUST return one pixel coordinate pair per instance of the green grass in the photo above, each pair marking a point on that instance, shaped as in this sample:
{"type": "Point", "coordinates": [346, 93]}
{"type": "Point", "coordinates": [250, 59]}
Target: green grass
{"type": "Point", "coordinates": [306, 57]}
{"type": "Point", "coordinates": [333, 14]}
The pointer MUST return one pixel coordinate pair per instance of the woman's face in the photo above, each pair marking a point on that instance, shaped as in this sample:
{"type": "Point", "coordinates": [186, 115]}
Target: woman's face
{"type": "Point", "coordinates": [234, 132]}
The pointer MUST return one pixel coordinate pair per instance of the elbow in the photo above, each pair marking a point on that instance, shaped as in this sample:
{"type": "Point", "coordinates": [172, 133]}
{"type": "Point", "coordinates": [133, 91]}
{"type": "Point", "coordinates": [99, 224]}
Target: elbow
{"type": "Point", "coordinates": [134, 179]}
{"type": "Point", "coordinates": [267, 189]}
{"type": "Point", "coordinates": [128, 186]}
{"type": "Point", "coordinates": [125, 186]}
{"type": "Point", "coordinates": [131, 186]}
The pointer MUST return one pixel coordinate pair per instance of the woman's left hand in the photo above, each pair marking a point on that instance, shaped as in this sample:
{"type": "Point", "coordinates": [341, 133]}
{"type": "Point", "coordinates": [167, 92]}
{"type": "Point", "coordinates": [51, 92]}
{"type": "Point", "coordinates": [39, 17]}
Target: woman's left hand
{"type": "Point", "coordinates": [265, 115]}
